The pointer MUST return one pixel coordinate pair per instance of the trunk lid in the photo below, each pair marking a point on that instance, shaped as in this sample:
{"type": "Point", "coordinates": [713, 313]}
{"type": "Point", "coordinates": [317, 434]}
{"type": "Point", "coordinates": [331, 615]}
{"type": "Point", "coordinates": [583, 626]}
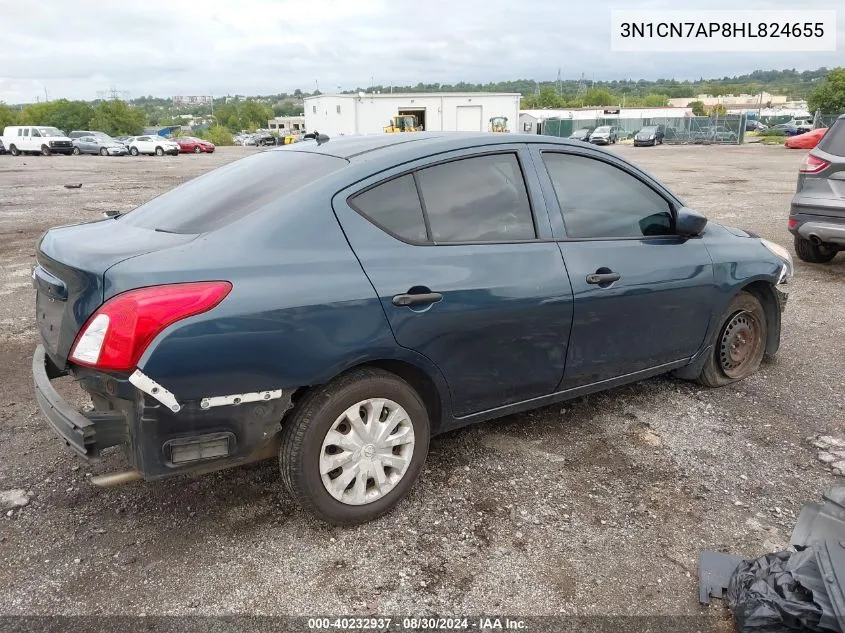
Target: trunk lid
{"type": "Point", "coordinates": [71, 262]}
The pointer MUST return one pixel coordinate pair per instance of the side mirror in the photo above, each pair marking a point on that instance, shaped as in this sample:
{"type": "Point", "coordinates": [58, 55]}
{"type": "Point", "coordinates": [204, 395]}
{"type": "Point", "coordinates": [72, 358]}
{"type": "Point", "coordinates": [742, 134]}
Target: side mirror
{"type": "Point", "coordinates": [689, 223]}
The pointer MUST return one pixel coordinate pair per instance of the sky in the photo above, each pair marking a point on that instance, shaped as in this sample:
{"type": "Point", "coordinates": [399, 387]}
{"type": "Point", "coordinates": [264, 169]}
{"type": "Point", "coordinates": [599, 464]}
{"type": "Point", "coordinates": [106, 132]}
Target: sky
{"type": "Point", "coordinates": [77, 49]}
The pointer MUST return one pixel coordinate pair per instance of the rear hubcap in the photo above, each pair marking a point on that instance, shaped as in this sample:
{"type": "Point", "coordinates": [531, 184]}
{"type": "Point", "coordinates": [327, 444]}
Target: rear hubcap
{"type": "Point", "coordinates": [739, 344]}
{"type": "Point", "coordinates": [367, 451]}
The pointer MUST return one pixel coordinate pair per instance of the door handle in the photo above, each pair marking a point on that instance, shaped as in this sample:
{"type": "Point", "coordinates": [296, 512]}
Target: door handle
{"type": "Point", "coordinates": [422, 298]}
{"type": "Point", "coordinates": [603, 278]}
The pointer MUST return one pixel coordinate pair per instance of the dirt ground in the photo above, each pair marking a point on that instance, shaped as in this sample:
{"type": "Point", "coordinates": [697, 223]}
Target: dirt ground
{"type": "Point", "coordinates": [598, 506]}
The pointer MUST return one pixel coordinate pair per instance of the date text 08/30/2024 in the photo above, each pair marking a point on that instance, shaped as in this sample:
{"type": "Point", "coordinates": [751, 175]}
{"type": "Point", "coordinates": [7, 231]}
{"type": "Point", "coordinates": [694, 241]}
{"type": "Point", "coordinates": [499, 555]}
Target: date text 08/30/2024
{"type": "Point", "coordinates": [416, 624]}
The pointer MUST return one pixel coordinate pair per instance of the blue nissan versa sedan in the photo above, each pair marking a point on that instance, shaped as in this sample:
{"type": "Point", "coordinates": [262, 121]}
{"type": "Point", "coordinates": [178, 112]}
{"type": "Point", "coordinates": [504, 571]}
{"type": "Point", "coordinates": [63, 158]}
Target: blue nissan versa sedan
{"type": "Point", "coordinates": [339, 301]}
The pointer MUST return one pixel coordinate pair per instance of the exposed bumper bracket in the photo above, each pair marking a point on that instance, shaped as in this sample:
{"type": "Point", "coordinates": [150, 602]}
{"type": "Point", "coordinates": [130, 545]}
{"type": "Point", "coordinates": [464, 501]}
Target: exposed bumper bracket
{"type": "Point", "coordinates": [151, 387]}
{"type": "Point", "coordinates": [240, 398]}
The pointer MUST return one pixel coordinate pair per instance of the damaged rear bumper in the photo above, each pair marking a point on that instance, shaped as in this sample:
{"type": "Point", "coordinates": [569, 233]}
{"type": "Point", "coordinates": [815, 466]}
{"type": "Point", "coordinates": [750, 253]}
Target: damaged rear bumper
{"type": "Point", "coordinates": [161, 436]}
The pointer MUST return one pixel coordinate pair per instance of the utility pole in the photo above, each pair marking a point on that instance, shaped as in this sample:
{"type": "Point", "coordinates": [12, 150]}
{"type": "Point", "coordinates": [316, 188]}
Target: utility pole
{"type": "Point", "coordinates": [559, 86]}
{"type": "Point", "coordinates": [46, 96]}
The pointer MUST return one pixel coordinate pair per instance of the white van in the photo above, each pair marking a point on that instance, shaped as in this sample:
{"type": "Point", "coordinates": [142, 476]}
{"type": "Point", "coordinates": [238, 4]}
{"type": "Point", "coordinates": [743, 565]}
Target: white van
{"type": "Point", "coordinates": [36, 139]}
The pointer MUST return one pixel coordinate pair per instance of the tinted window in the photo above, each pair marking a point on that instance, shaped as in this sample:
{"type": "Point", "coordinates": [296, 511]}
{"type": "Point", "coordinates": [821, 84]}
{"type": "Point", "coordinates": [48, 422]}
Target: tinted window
{"type": "Point", "coordinates": [600, 200]}
{"type": "Point", "coordinates": [231, 192]}
{"type": "Point", "coordinates": [833, 142]}
{"type": "Point", "coordinates": [395, 207]}
{"type": "Point", "coordinates": [477, 199]}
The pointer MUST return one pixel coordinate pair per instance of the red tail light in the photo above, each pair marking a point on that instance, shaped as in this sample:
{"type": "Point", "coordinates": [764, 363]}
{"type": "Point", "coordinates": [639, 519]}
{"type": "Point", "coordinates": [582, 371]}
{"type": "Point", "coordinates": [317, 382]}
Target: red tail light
{"type": "Point", "coordinates": [792, 223]}
{"type": "Point", "coordinates": [117, 334]}
{"type": "Point", "coordinates": [812, 164]}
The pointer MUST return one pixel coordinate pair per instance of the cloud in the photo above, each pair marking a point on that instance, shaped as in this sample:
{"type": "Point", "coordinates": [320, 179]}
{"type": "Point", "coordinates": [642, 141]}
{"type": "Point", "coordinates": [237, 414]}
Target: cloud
{"type": "Point", "coordinates": [165, 47]}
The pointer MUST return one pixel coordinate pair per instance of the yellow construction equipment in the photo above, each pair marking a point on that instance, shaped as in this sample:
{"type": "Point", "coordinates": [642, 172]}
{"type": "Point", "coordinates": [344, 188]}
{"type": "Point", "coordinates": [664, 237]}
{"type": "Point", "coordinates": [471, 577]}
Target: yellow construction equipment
{"type": "Point", "coordinates": [499, 124]}
{"type": "Point", "coordinates": [403, 123]}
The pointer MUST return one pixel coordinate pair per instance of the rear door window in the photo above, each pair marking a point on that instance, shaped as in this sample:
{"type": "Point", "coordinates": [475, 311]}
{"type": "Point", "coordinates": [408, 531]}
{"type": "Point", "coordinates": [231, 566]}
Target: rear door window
{"type": "Point", "coordinates": [479, 199]}
{"type": "Point", "coordinates": [833, 142]}
{"type": "Point", "coordinates": [231, 192]}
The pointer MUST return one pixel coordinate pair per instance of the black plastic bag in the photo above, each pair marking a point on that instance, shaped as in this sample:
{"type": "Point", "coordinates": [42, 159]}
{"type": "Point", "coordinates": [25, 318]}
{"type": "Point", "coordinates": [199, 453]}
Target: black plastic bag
{"type": "Point", "coordinates": [783, 591]}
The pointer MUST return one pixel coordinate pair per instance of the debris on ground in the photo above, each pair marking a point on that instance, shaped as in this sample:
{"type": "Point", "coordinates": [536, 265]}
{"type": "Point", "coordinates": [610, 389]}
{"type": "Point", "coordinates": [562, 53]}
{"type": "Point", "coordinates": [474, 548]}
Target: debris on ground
{"type": "Point", "coordinates": [802, 589]}
{"type": "Point", "coordinates": [15, 498]}
{"type": "Point", "coordinates": [74, 186]}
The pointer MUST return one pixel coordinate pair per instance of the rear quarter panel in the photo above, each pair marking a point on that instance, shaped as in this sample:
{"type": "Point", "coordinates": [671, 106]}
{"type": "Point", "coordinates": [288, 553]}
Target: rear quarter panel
{"type": "Point", "coordinates": [300, 312]}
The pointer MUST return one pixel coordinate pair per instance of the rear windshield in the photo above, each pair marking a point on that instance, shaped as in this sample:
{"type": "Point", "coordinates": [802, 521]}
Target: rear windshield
{"type": "Point", "coordinates": [231, 192]}
{"type": "Point", "coordinates": [834, 141]}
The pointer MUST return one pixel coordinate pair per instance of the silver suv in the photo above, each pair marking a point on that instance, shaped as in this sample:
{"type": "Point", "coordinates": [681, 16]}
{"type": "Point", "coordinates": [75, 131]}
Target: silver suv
{"type": "Point", "coordinates": [817, 214]}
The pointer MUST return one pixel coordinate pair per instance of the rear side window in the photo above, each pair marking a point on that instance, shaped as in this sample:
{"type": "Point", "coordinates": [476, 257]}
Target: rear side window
{"type": "Point", "coordinates": [394, 206]}
{"type": "Point", "coordinates": [232, 192]}
{"type": "Point", "coordinates": [599, 200]}
{"type": "Point", "coordinates": [477, 199]}
{"type": "Point", "coordinates": [833, 142]}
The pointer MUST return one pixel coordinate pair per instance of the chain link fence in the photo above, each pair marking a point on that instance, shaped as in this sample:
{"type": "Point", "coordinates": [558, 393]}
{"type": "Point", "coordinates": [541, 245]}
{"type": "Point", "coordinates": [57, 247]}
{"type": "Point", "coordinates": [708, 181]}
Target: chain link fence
{"type": "Point", "coordinates": [726, 129]}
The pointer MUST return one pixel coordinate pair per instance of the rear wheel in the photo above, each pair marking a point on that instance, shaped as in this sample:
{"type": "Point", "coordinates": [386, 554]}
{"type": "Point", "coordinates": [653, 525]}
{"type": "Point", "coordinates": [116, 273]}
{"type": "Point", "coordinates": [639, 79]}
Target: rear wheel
{"type": "Point", "coordinates": [814, 253]}
{"type": "Point", "coordinates": [353, 448]}
{"type": "Point", "coordinates": [14, 151]}
{"type": "Point", "coordinates": [739, 345]}
{"type": "Point", "coordinates": [134, 151]}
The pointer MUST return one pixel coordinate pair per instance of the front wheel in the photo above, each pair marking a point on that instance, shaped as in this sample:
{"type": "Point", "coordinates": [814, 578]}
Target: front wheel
{"type": "Point", "coordinates": [814, 253]}
{"type": "Point", "coordinates": [45, 151]}
{"type": "Point", "coordinates": [104, 151]}
{"type": "Point", "coordinates": [740, 343]}
{"type": "Point", "coordinates": [197, 149]}
{"type": "Point", "coordinates": [159, 151]}
{"type": "Point", "coordinates": [76, 151]}
{"type": "Point", "coordinates": [353, 448]}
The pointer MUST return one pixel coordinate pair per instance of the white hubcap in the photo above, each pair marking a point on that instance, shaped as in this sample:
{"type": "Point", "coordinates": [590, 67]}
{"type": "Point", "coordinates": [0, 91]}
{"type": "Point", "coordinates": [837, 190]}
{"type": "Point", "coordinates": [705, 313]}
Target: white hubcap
{"type": "Point", "coordinates": [367, 451]}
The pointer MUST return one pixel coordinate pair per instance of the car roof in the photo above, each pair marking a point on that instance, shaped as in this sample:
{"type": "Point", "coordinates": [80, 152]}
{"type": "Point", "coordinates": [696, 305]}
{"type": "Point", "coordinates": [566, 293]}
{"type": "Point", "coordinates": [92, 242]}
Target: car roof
{"type": "Point", "coordinates": [414, 143]}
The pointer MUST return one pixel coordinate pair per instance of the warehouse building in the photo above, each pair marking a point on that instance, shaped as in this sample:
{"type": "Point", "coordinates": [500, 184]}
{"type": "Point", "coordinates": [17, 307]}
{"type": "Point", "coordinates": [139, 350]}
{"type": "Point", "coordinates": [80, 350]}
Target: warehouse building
{"type": "Point", "coordinates": [370, 113]}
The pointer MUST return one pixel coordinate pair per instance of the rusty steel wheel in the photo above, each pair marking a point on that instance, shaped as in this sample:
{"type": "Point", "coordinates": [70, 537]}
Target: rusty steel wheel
{"type": "Point", "coordinates": [739, 344]}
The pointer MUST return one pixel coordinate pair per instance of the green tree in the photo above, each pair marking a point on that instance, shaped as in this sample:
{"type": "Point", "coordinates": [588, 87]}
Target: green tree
{"type": "Point", "coordinates": [599, 97]}
{"type": "Point", "coordinates": [697, 108]}
{"type": "Point", "coordinates": [116, 118]}
{"type": "Point", "coordinates": [655, 101]}
{"type": "Point", "coordinates": [829, 96]}
{"type": "Point", "coordinates": [8, 116]}
{"type": "Point", "coordinates": [61, 113]}
{"type": "Point", "coordinates": [229, 117]}
{"type": "Point", "coordinates": [718, 110]}
{"type": "Point", "coordinates": [287, 108]}
{"type": "Point", "coordinates": [218, 135]}
{"type": "Point", "coordinates": [255, 114]}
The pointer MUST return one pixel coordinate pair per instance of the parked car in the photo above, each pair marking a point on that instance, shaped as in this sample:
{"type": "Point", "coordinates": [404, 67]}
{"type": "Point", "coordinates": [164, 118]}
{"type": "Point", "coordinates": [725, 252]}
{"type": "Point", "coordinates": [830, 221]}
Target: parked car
{"type": "Point", "coordinates": [2, 147]}
{"type": "Point", "coordinates": [329, 318]}
{"type": "Point", "coordinates": [103, 145]}
{"type": "Point", "coordinates": [808, 140]}
{"type": "Point", "coordinates": [650, 135]}
{"type": "Point", "coordinates": [753, 125]}
{"type": "Point", "coordinates": [35, 139]}
{"type": "Point", "coordinates": [191, 145]}
{"type": "Point", "coordinates": [787, 128]}
{"type": "Point", "coordinates": [817, 213]}
{"type": "Point", "coordinates": [605, 135]}
{"type": "Point", "coordinates": [722, 134]}
{"type": "Point", "coordinates": [803, 125]}
{"type": "Point", "coordinates": [152, 144]}
{"type": "Point", "coordinates": [264, 139]}
{"type": "Point", "coordinates": [582, 134]}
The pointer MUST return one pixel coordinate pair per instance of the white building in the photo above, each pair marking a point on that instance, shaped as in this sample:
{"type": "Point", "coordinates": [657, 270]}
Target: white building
{"type": "Point", "coordinates": [287, 125]}
{"type": "Point", "coordinates": [367, 113]}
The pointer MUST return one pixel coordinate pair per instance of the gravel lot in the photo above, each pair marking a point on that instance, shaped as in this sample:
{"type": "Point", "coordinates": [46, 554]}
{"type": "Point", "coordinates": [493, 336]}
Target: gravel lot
{"type": "Point", "coordinates": [599, 506]}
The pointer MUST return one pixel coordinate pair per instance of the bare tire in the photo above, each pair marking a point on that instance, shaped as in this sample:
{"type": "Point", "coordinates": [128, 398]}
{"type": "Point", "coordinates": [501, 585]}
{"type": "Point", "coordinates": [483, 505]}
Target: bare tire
{"type": "Point", "coordinates": [134, 151]}
{"type": "Point", "coordinates": [75, 151]}
{"type": "Point", "coordinates": [159, 151]}
{"type": "Point", "coordinates": [45, 151]}
{"type": "Point", "coordinates": [740, 343]}
{"type": "Point", "coordinates": [197, 149]}
{"type": "Point", "coordinates": [814, 253]}
{"type": "Point", "coordinates": [14, 151]}
{"type": "Point", "coordinates": [104, 151]}
{"type": "Point", "coordinates": [353, 448]}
